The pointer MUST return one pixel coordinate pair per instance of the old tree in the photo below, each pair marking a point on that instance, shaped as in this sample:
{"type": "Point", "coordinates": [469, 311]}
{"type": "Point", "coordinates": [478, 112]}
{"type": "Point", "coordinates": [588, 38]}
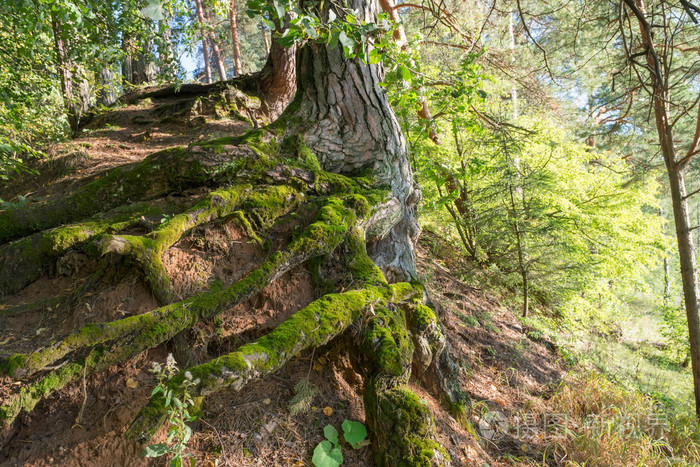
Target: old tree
{"type": "Point", "coordinates": [334, 166]}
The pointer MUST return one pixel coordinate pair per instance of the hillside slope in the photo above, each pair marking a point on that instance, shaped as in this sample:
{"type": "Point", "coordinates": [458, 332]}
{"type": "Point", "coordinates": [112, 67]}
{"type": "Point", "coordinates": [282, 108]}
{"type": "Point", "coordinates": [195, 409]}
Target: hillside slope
{"type": "Point", "coordinates": [503, 371]}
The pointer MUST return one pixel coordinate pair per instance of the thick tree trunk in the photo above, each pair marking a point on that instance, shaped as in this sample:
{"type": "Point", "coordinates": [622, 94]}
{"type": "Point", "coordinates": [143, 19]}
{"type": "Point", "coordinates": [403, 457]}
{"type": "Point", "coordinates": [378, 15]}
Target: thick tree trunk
{"type": "Point", "coordinates": [351, 128]}
{"type": "Point", "coordinates": [134, 65]}
{"type": "Point", "coordinates": [277, 80]}
{"type": "Point", "coordinates": [234, 38]}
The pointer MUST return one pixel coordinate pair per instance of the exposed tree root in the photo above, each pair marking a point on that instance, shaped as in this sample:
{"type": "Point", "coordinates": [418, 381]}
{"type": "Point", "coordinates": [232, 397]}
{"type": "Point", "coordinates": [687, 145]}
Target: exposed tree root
{"type": "Point", "coordinates": [432, 362]}
{"type": "Point", "coordinates": [26, 259]}
{"type": "Point", "coordinates": [312, 326]}
{"type": "Point", "coordinates": [137, 333]}
{"type": "Point", "coordinates": [147, 250]}
{"type": "Point", "coordinates": [256, 179]}
{"type": "Point", "coordinates": [162, 173]}
{"type": "Point", "coordinates": [404, 429]}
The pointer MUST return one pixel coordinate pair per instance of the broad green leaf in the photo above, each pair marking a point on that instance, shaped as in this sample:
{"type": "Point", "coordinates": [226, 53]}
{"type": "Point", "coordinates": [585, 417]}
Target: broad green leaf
{"type": "Point", "coordinates": [331, 434]}
{"type": "Point", "coordinates": [279, 9]}
{"type": "Point", "coordinates": [345, 41]}
{"type": "Point", "coordinates": [355, 433]}
{"type": "Point", "coordinates": [155, 450]}
{"type": "Point", "coordinates": [325, 455]}
{"type": "Point", "coordinates": [406, 74]}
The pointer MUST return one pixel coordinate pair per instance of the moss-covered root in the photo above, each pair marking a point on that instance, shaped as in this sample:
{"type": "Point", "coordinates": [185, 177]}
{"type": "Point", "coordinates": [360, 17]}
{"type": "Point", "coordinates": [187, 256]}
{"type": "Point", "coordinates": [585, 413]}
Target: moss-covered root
{"type": "Point", "coordinates": [269, 203]}
{"type": "Point", "coordinates": [403, 428]}
{"type": "Point", "coordinates": [26, 259]}
{"type": "Point", "coordinates": [312, 326]}
{"type": "Point", "coordinates": [431, 360]}
{"type": "Point", "coordinates": [159, 174]}
{"type": "Point", "coordinates": [329, 229]}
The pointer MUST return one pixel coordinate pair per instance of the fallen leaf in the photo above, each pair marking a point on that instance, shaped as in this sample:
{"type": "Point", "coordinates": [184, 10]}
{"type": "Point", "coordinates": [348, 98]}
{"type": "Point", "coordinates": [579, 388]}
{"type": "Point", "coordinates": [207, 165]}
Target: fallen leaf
{"type": "Point", "coordinates": [327, 411]}
{"type": "Point", "coordinates": [131, 383]}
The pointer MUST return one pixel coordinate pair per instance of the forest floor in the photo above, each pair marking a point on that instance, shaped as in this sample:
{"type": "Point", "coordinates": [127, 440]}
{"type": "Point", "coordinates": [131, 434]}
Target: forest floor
{"type": "Point", "coordinates": [509, 372]}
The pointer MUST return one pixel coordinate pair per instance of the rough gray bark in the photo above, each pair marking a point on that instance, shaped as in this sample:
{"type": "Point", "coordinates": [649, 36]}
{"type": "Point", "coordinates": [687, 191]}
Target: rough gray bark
{"type": "Point", "coordinates": [351, 128]}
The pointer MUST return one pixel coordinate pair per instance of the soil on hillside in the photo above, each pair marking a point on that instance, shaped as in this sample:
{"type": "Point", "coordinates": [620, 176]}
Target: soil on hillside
{"type": "Point", "coordinates": [503, 370]}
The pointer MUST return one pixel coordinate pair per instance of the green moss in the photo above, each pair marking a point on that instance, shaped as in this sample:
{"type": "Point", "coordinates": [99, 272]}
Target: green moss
{"type": "Point", "coordinates": [360, 265]}
{"type": "Point", "coordinates": [403, 426]}
{"type": "Point", "coordinates": [386, 338]}
{"type": "Point", "coordinates": [312, 326]}
{"type": "Point", "coordinates": [247, 227]}
{"type": "Point", "coordinates": [404, 290]}
{"type": "Point", "coordinates": [422, 316]}
{"type": "Point", "coordinates": [30, 394]}
{"type": "Point", "coordinates": [307, 156]}
{"type": "Point", "coordinates": [10, 365]}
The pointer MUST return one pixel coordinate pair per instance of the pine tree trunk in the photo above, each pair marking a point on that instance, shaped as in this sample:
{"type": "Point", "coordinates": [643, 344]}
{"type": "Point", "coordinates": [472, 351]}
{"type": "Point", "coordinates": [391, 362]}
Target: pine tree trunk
{"type": "Point", "coordinates": [205, 49]}
{"type": "Point", "coordinates": [277, 81]}
{"type": "Point", "coordinates": [218, 54]}
{"type": "Point", "coordinates": [234, 39]}
{"type": "Point", "coordinates": [65, 68]}
{"type": "Point", "coordinates": [660, 99]}
{"type": "Point", "coordinates": [351, 128]}
{"type": "Point", "coordinates": [266, 40]}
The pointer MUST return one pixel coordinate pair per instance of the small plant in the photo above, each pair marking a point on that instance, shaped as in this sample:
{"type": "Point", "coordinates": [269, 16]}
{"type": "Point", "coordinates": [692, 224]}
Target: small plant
{"type": "Point", "coordinates": [304, 393]}
{"type": "Point", "coordinates": [178, 409]}
{"type": "Point", "coordinates": [328, 453]}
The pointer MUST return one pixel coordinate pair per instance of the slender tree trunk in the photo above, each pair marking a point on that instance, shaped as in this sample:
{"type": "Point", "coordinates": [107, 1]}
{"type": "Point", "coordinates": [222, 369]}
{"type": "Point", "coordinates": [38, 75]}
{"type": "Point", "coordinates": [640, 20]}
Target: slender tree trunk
{"type": "Point", "coordinates": [513, 89]}
{"type": "Point", "coordinates": [65, 69]}
{"type": "Point", "coordinates": [660, 100]}
{"type": "Point", "coordinates": [266, 40]}
{"type": "Point", "coordinates": [134, 64]}
{"type": "Point", "coordinates": [520, 246]}
{"type": "Point", "coordinates": [218, 55]}
{"type": "Point", "coordinates": [205, 48]}
{"type": "Point", "coordinates": [234, 39]}
{"type": "Point", "coordinates": [667, 281]}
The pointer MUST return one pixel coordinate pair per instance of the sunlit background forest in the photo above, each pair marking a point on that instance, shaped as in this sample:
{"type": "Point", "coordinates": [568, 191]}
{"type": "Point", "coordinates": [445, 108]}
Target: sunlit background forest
{"type": "Point", "coordinates": [532, 131]}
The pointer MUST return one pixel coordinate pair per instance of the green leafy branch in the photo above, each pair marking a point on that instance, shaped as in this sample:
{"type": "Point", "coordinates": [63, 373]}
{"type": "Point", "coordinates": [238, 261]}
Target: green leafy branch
{"type": "Point", "coordinates": [178, 409]}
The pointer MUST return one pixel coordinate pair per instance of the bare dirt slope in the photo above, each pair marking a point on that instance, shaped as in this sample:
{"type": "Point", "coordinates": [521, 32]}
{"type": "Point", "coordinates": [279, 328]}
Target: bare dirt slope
{"type": "Point", "coordinates": [502, 369]}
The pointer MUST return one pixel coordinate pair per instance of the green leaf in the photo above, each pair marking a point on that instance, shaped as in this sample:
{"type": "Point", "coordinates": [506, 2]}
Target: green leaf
{"type": "Point", "coordinates": [354, 433]}
{"type": "Point", "coordinates": [331, 16]}
{"type": "Point", "coordinates": [375, 56]}
{"type": "Point", "coordinates": [155, 450]}
{"type": "Point", "coordinates": [345, 41]}
{"type": "Point", "coordinates": [405, 73]}
{"type": "Point", "coordinates": [279, 9]}
{"type": "Point", "coordinates": [325, 455]}
{"type": "Point", "coordinates": [331, 434]}
{"type": "Point", "coordinates": [481, 93]}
